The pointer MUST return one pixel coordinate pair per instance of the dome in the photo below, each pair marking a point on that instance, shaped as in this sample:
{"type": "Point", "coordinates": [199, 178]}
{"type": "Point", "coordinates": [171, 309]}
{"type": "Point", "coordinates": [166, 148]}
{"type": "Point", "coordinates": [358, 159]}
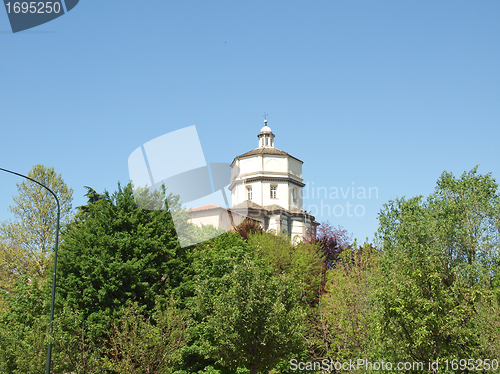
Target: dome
{"type": "Point", "coordinates": [265, 128]}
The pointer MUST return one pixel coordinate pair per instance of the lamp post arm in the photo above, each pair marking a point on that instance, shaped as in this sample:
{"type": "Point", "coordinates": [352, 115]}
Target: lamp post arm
{"type": "Point", "coordinates": [49, 348]}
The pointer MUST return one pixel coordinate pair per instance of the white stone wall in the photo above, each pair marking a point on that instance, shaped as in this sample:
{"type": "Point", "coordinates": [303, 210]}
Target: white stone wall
{"type": "Point", "coordinates": [297, 229]}
{"type": "Point", "coordinates": [295, 168]}
{"type": "Point", "coordinates": [205, 217]}
{"type": "Point", "coordinates": [249, 165]}
{"type": "Point", "coordinates": [269, 169]}
{"type": "Point", "coordinates": [274, 164]}
{"type": "Point", "coordinates": [263, 166]}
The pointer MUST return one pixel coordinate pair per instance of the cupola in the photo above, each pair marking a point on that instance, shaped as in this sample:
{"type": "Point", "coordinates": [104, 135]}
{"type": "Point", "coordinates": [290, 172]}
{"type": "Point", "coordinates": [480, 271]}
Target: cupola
{"type": "Point", "coordinates": [266, 137]}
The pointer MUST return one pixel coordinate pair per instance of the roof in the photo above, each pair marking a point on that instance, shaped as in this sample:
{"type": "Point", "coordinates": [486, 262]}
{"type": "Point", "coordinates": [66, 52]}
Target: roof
{"type": "Point", "coordinates": [274, 207]}
{"type": "Point", "coordinates": [212, 206]}
{"type": "Point", "coordinates": [205, 207]}
{"type": "Point", "coordinates": [266, 151]}
{"type": "Point", "coordinates": [248, 204]}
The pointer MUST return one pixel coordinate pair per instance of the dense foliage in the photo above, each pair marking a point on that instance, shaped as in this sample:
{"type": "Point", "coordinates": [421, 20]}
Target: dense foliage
{"type": "Point", "coordinates": [440, 262]}
{"type": "Point", "coordinates": [131, 299]}
{"type": "Point", "coordinates": [114, 252]}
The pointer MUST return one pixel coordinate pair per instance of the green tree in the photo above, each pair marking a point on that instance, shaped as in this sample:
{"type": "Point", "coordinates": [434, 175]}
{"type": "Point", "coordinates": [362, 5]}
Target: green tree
{"type": "Point", "coordinates": [28, 241]}
{"type": "Point", "coordinates": [141, 344]}
{"type": "Point", "coordinates": [213, 260]}
{"type": "Point", "coordinates": [303, 261]}
{"type": "Point", "coordinates": [488, 326]}
{"type": "Point", "coordinates": [114, 252]}
{"type": "Point", "coordinates": [12, 265]}
{"type": "Point", "coordinates": [138, 343]}
{"type": "Point", "coordinates": [345, 318]}
{"type": "Point", "coordinates": [255, 318]}
{"type": "Point", "coordinates": [438, 262]}
{"type": "Point", "coordinates": [229, 313]}
{"type": "Point", "coordinates": [23, 327]}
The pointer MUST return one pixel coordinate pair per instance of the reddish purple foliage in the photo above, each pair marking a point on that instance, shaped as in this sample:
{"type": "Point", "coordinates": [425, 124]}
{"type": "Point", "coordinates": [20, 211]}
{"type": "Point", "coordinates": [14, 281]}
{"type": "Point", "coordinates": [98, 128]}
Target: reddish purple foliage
{"type": "Point", "coordinates": [332, 240]}
{"type": "Point", "coordinates": [248, 226]}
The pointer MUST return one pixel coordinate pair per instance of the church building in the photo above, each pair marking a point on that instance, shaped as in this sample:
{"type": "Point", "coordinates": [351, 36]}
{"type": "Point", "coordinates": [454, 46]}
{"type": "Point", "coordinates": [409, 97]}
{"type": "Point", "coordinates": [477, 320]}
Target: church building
{"type": "Point", "coordinates": [266, 185]}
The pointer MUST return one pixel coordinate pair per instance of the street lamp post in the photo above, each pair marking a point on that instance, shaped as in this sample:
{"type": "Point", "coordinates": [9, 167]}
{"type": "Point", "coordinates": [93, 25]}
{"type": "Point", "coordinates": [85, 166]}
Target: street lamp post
{"type": "Point", "coordinates": [49, 348]}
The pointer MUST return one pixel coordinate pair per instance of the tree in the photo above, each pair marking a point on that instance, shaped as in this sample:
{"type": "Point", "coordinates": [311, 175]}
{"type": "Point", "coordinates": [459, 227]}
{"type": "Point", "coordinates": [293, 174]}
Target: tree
{"type": "Point", "coordinates": [23, 327]}
{"type": "Point", "coordinates": [255, 320]}
{"type": "Point", "coordinates": [113, 252]}
{"type": "Point", "coordinates": [467, 209]}
{"type": "Point", "coordinates": [247, 227]}
{"type": "Point", "coordinates": [12, 265]}
{"type": "Point", "coordinates": [438, 257]}
{"type": "Point", "coordinates": [230, 313]}
{"type": "Point", "coordinates": [303, 261]}
{"type": "Point", "coordinates": [344, 326]}
{"type": "Point", "coordinates": [332, 241]}
{"type": "Point", "coordinates": [30, 238]}
{"type": "Point", "coordinates": [26, 243]}
{"type": "Point", "coordinates": [140, 344]}
{"type": "Point", "coordinates": [212, 261]}
{"type": "Point", "coordinates": [488, 325]}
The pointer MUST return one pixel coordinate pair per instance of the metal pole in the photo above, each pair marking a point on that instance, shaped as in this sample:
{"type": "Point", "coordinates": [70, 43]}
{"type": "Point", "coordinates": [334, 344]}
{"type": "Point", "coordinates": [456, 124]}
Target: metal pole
{"type": "Point", "coordinates": [49, 348]}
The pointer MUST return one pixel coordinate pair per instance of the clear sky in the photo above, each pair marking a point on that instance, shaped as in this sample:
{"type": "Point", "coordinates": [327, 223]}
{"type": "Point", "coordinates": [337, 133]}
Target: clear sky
{"type": "Point", "coordinates": [382, 94]}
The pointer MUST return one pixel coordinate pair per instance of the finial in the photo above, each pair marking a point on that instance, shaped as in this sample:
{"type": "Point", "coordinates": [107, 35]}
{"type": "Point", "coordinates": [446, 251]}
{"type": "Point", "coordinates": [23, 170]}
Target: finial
{"type": "Point", "coordinates": [265, 118]}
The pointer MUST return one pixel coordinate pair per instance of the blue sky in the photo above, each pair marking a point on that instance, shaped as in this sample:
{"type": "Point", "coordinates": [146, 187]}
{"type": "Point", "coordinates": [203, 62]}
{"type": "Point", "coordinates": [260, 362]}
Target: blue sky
{"type": "Point", "coordinates": [382, 94]}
